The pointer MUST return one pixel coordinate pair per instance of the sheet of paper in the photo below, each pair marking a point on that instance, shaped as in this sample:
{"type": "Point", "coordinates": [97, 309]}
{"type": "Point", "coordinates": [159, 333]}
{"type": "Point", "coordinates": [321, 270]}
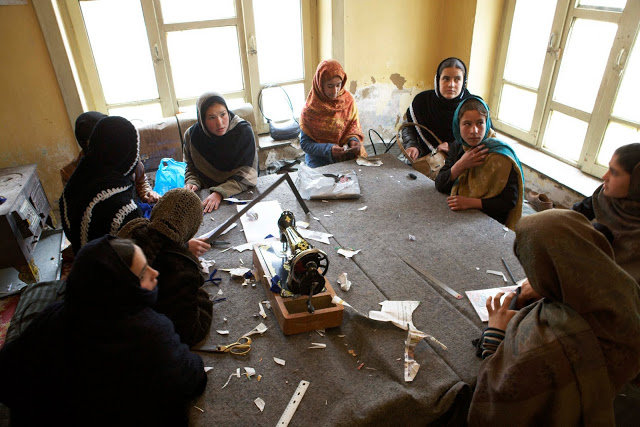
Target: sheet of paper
{"type": "Point", "coordinates": [397, 312]}
{"type": "Point", "coordinates": [348, 253]}
{"type": "Point", "coordinates": [210, 233]}
{"type": "Point", "coordinates": [366, 162]}
{"type": "Point", "coordinates": [260, 329]}
{"type": "Point", "coordinates": [478, 299]}
{"type": "Point", "coordinates": [318, 236]}
{"type": "Point", "coordinates": [261, 220]}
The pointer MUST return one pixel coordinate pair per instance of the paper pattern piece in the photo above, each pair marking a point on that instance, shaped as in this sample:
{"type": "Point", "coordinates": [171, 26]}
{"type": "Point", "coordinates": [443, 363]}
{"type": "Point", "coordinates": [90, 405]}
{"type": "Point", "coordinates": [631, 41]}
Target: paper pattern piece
{"type": "Point", "coordinates": [348, 253]}
{"type": "Point", "coordinates": [236, 272]}
{"type": "Point", "coordinates": [281, 362]}
{"type": "Point", "coordinates": [397, 312]}
{"type": "Point", "coordinates": [260, 329]}
{"type": "Point", "coordinates": [410, 365]}
{"type": "Point", "coordinates": [497, 273]}
{"type": "Point", "coordinates": [344, 282]}
{"type": "Point", "coordinates": [368, 162]}
{"type": "Point", "coordinates": [266, 223]}
{"type": "Point", "coordinates": [478, 299]}
{"type": "Point", "coordinates": [318, 236]}
{"type": "Point", "coordinates": [210, 233]}
{"type": "Point", "coordinates": [259, 403]}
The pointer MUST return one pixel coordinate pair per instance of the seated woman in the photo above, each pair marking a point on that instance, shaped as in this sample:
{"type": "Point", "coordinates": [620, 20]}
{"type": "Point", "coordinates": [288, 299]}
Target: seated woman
{"type": "Point", "coordinates": [99, 197]}
{"type": "Point", "coordinates": [163, 239]}
{"type": "Point", "coordinates": [220, 152]}
{"type": "Point", "coordinates": [480, 172]}
{"type": "Point", "coordinates": [103, 355]}
{"type": "Point", "coordinates": [434, 109]}
{"type": "Point", "coordinates": [615, 207]}
{"type": "Point", "coordinates": [330, 129]}
{"type": "Point", "coordinates": [562, 360]}
{"type": "Point", "coordinates": [84, 126]}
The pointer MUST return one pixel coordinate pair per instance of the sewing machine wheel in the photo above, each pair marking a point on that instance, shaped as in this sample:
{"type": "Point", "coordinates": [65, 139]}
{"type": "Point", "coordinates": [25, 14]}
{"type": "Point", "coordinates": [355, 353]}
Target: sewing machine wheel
{"type": "Point", "coordinates": [300, 261]}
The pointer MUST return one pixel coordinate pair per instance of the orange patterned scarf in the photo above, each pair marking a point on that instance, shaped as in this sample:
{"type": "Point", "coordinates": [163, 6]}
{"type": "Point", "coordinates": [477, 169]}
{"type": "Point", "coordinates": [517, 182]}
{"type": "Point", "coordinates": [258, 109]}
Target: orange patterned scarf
{"type": "Point", "coordinates": [327, 120]}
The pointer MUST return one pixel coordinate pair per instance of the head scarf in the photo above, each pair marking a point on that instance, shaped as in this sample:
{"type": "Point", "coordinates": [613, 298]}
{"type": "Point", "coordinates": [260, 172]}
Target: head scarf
{"type": "Point", "coordinates": [227, 152]}
{"type": "Point", "coordinates": [489, 179]}
{"type": "Point", "coordinates": [431, 109]}
{"type": "Point", "coordinates": [563, 358]}
{"type": "Point", "coordinates": [622, 218]}
{"type": "Point", "coordinates": [98, 199]}
{"type": "Point", "coordinates": [84, 126]}
{"type": "Point", "coordinates": [327, 120]}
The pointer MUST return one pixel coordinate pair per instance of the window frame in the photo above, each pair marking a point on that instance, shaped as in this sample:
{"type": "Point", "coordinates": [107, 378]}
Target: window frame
{"type": "Point", "coordinates": [566, 12]}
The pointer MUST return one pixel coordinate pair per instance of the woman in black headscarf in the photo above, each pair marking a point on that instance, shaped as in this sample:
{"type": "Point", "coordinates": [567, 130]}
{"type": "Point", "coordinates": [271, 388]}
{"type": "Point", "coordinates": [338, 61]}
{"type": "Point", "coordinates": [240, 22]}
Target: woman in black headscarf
{"type": "Point", "coordinates": [99, 197]}
{"type": "Point", "coordinates": [434, 109]}
{"type": "Point", "coordinates": [103, 356]}
{"type": "Point", "coordinates": [220, 152]}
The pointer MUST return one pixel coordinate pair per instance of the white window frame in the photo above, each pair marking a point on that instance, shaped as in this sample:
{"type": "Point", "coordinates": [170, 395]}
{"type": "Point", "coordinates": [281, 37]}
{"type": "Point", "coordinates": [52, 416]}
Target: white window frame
{"type": "Point", "coordinates": [70, 51]}
{"type": "Point", "coordinates": [566, 11]}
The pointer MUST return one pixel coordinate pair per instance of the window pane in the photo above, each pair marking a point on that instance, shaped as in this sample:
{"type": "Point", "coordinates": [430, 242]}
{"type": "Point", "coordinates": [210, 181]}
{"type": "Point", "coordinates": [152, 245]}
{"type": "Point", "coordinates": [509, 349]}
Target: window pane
{"type": "Point", "coordinates": [279, 40]}
{"type": "Point", "coordinates": [196, 10]}
{"type": "Point", "coordinates": [517, 107]}
{"type": "Point", "coordinates": [616, 136]}
{"type": "Point", "coordinates": [626, 105]}
{"type": "Point", "coordinates": [138, 113]}
{"type": "Point", "coordinates": [583, 63]}
{"type": "Point", "coordinates": [275, 104]}
{"type": "Point", "coordinates": [205, 60]}
{"type": "Point", "coordinates": [120, 49]}
{"type": "Point", "coordinates": [530, 33]}
{"type": "Point", "coordinates": [564, 135]}
{"type": "Point", "coordinates": [603, 5]}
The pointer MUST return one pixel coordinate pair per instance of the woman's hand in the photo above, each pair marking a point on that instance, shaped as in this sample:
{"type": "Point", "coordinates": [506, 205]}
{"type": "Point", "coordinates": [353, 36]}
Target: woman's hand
{"type": "Point", "coordinates": [499, 314]}
{"type": "Point", "coordinates": [354, 147]}
{"type": "Point", "coordinates": [191, 187]}
{"type": "Point", "coordinates": [151, 197]}
{"type": "Point", "coordinates": [198, 247]}
{"type": "Point", "coordinates": [471, 158]}
{"type": "Point", "coordinates": [444, 147]}
{"type": "Point", "coordinates": [461, 203]}
{"type": "Point", "coordinates": [527, 295]}
{"type": "Point", "coordinates": [212, 202]}
{"type": "Point", "coordinates": [412, 152]}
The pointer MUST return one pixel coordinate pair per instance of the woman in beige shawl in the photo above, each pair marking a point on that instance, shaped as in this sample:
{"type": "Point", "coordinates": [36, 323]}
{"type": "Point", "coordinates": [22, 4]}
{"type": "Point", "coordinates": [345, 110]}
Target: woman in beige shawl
{"type": "Point", "coordinates": [564, 358]}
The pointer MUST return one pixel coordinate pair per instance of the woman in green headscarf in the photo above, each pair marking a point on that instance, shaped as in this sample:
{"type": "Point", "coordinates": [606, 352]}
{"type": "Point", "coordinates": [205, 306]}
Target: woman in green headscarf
{"type": "Point", "coordinates": [481, 172]}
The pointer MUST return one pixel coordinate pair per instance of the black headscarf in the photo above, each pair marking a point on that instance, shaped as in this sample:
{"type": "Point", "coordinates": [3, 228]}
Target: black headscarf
{"type": "Point", "coordinates": [84, 126]}
{"type": "Point", "coordinates": [227, 152]}
{"type": "Point", "coordinates": [98, 199]}
{"type": "Point", "coordinates": [431, 109]}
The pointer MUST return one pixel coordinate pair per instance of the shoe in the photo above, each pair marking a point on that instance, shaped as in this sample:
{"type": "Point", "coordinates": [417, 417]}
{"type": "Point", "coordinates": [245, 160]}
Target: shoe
{"type": "Point", "coordinates": [539, 201]}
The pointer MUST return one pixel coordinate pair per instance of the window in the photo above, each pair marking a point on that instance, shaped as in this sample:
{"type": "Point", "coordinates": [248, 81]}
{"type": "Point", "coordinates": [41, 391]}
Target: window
{"type": "Point", "coordinates": [145, 59]}
{"type": "Point", "coordinates": [565, 78]}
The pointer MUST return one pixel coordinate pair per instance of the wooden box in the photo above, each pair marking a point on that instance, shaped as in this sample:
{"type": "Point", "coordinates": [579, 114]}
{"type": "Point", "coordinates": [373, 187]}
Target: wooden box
{"type": "Point", "coordinates": [292, 313]}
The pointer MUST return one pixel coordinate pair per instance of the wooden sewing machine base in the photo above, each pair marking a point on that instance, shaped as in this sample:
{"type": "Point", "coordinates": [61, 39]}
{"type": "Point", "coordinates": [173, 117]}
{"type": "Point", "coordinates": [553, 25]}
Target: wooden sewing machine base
{"type": "Point", "coordinates": [292, 313]}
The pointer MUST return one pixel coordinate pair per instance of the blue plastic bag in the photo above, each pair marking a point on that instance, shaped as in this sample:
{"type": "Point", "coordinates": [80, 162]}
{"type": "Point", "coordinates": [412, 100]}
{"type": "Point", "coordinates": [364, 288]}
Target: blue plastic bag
{"type": "Point", "coordinates": [170, 175]}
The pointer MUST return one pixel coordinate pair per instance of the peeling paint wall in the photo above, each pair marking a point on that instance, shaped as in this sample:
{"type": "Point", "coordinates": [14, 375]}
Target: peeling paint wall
{"type": "Point", "coordinates": [34, 126]}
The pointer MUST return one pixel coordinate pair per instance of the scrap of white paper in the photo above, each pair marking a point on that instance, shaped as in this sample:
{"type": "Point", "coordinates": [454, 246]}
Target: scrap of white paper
{"type": "Point", "coordinates": [344, 282]}
{"type": "Point", "coordinates": [259, 403]}
{"type": "Point", "coordinates": [347, 253]}
{"type": "Point", "coordinates": [318, 236]}
{"type": "Point", "coordinates": [262, 312]}
{"type": "Point", "coordinates": [266, 223]}
{"type": "Point", "coordinates": [337, 300]}
{"type": "Point", "coordinates": [302, 224]}
{"type": "Point", "coordinates": [279, 361]}
{"type": "Point", "coordinates": [478, 299]}
{"type": "Point", "coordinates": [220, 292]}
{"type": "Point", "coordinates": [207, 368]}
{"type": "Point", "coordinates": [235, 374]}
{"type": "Point", "coordinates": [412, 237]}
{"type": "Point", "coordinates": [410, 365]}
{"type": "Point", "coordinates": [365, 162]}
{"type": "Point", "coordinates": [249, 372]}
{"type": "Point", "coordinates": [236, 272]}
{"type": "Point", "coordinates": [260, 329]}
{"type": "Point", "coordinates": [210, 233]}
{"type": "Point", "coordinates": [497, 273]}
{"type": "Point", "coordinates": [316, 218]}
{"type": "Point", "coordinates": [397, 312]}
{"type": "Point", "coordinates": [222, 331]}
{"type": "Point", "coordinates": [315, 345]}
{"type": "Point", "coordinates": [206, 264]}
{"type": "Point", "coordinates": [364, 208]}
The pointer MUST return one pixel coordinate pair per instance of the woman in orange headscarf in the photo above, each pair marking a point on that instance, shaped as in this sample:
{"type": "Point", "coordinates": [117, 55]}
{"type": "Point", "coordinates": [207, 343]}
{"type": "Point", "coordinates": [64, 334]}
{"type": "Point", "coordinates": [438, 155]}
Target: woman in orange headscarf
{"type": "Point", "coordinates": [329, 120]}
